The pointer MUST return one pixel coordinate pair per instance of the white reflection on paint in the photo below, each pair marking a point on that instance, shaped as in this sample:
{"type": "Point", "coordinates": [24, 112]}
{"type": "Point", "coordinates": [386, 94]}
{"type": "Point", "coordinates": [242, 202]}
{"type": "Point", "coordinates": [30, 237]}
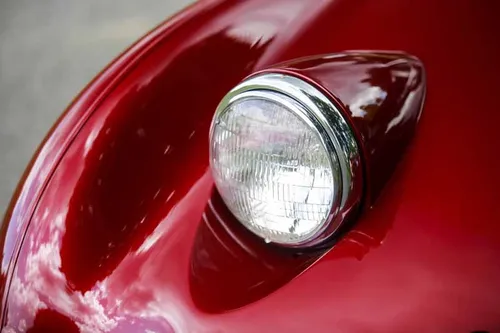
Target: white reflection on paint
{"type": "Point", "coordinates": [108, 307]}
{"type": "Point", "coordinates": [369, 96]}
{"type": "Point", "coordinates": [42, 279]}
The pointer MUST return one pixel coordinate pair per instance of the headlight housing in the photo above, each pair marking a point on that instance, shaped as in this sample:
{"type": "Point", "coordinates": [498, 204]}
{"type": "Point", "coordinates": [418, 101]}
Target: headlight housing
{"type": "Point", "coordinates": [283, 159]}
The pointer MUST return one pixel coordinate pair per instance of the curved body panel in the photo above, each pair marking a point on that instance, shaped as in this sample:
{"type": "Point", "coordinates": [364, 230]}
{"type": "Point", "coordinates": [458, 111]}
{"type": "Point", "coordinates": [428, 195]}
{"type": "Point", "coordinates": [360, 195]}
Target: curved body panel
{"type": "Point", "coordinates": [109, 230]}
{"type": "Point", "coordinates": [381, 93]}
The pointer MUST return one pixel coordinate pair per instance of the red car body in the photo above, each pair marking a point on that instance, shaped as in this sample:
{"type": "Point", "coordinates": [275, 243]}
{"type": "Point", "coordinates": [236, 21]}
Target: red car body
{"type": "Point", "coordinates": [116, 226]}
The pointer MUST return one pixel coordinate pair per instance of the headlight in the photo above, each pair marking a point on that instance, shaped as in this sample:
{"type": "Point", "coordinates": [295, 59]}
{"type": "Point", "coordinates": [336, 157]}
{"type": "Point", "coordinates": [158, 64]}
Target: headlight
{"type": "Point", "coordinates": [282, 158]}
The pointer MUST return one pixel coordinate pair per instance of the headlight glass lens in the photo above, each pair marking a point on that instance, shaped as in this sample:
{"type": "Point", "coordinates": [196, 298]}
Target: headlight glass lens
{"type": "Point", "coordinates": [273, 169]}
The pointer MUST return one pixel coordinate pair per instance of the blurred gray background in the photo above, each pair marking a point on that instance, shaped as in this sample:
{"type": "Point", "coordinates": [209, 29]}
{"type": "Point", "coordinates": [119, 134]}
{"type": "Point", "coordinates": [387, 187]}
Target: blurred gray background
{"type": "Point", "coordinates": [49, 50]}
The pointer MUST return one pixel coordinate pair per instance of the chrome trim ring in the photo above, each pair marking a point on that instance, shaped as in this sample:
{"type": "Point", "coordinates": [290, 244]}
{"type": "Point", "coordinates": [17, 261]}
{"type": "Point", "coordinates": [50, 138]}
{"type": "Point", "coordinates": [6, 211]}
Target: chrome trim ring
{"type": "Point", "coordinates": [326, 118]}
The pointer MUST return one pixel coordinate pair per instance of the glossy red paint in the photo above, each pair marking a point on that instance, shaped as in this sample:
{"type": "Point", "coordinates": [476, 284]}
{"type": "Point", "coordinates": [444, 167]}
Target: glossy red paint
{"type": "Point", "coordinates": [48, 155]}
{"type": "Point", "coordinates": [231, 268]}
{"type": "Point", "coordinates": [52, 321]}
{"type": "Point", "coordinates": [380, 93]}
{"type": "Point", "coordinates": [108, 235]}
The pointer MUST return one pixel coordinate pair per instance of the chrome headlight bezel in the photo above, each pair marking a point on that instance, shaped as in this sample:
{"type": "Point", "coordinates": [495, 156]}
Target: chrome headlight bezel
{"type": "Point", "coordinates": [326, 119]}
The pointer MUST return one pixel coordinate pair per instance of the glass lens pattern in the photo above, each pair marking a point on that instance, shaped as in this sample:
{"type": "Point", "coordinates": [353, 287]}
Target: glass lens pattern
{"type": "Point", "coordinates": [272, 170]}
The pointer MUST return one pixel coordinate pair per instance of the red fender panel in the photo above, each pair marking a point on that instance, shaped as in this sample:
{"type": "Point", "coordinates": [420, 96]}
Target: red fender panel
{"type": "Point", "coordinates": [116, 226]}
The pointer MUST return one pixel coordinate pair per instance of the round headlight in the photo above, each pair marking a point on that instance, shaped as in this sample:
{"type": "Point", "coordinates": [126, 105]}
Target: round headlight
{"type": "Point", "coordinates": [281, 155]}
